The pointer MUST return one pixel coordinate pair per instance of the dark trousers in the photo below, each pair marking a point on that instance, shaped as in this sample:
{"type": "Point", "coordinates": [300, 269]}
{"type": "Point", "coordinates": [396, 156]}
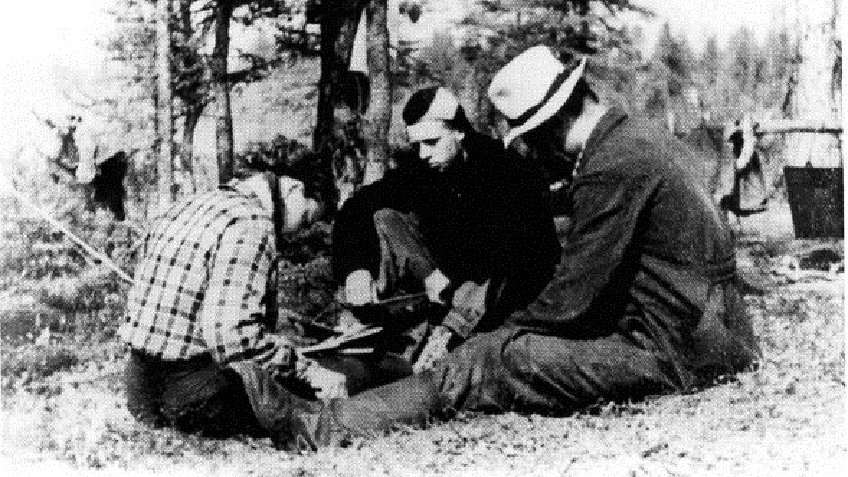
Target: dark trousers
{"type": "Point", "coordinates": [405, 262]}
{"type": "Point", "coordinates": [512, 369]}
{"type": "Point", "coordinates": [201, 396]}
{"type": "Point", "coordinates": [404, 259]}
{"type": "Point", "coordinates": [195, 395]}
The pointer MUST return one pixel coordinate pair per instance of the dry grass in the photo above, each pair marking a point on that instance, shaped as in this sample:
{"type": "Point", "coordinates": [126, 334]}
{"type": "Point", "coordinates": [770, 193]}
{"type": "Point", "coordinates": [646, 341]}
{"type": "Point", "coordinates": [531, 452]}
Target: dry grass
{"type": "Point", "coordinates": [786, 418]}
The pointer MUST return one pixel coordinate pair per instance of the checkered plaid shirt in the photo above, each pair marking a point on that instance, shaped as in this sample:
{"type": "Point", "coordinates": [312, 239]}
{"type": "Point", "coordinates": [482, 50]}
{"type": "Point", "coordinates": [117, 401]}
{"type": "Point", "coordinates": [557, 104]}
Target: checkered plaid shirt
{"type": "Point", "coordinates": [207, 273]}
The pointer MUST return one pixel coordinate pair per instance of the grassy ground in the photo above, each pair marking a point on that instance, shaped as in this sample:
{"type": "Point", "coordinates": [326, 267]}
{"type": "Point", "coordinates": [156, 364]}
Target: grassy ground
{"type": "Point", "coordinates": [786, 418]}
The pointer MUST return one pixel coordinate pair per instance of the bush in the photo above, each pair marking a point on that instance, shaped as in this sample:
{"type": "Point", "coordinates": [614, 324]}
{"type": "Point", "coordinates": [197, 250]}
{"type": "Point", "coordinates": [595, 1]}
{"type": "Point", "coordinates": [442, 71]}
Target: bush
{"type": "Point", "coordinates": [72, 293]}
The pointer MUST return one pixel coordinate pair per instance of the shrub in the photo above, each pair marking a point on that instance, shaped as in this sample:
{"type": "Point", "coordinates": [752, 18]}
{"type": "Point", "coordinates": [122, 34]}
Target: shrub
{"type": "Point", "coordinates": [72, 293]}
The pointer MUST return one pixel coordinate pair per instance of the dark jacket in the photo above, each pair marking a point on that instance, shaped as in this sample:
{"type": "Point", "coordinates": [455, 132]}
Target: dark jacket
{"type": "Point", "coordinates": [485, 217]}
{"type": "Point", "coordinates": [646, 254]}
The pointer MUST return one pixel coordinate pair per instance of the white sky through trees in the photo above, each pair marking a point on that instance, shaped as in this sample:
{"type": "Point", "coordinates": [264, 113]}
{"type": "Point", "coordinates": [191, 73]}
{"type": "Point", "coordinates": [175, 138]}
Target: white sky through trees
{"type": "Point", "coordinates": [48, 46]}
{"type": "Point", "coordinates": [699, 19]}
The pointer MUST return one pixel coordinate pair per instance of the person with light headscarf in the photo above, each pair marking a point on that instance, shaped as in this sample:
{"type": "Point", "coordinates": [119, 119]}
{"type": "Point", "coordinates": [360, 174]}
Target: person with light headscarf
{"type": "Point", "coordinates": [462, 220]}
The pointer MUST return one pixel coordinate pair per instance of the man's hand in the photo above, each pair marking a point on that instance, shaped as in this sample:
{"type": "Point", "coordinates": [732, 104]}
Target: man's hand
{"type": "Point", "coordinates": [435, 284]}
{"type": "Point", "coordinates": [360, 288]}
{"type": "Point", "coordinates": [435, 349]}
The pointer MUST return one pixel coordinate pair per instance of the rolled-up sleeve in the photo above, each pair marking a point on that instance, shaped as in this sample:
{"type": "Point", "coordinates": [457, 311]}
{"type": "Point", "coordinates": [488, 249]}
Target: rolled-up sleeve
{"type": "Point", "coordinates": [234, 308]}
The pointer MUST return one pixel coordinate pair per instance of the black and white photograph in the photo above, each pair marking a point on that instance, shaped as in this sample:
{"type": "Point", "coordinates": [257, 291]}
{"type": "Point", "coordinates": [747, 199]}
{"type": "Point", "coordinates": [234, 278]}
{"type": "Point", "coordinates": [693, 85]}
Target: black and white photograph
{"type": "Point", "coordinates": [305, 238]}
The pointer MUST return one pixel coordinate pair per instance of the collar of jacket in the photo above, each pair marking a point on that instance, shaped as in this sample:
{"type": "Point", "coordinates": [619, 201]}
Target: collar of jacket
{"type": "Point", "coordinates": [477, 150]}
{"type": "Point", "coordinates": [609, 121]}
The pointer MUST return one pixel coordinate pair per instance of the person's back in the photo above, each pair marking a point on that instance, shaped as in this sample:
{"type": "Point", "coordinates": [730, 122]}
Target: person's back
{"type": "Point", "coordinates": [681, 222]}
{"type": "Point", "coordinates": [175, 270]}
{"type": "Point", "coordinates": [680, 265]}
{"type": "Point", "coordinates": [201, 314]}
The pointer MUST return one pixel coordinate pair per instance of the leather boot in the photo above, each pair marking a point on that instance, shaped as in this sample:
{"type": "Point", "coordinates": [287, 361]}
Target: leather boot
{"type": "Point", "coordinates": [275, 406]}
{"type": "Point", "coordinates": [411, 401]}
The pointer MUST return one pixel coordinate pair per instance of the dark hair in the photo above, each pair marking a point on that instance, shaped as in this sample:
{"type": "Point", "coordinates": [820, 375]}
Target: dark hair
{"type": "Point", "coordinates": [420, 101]}
{"type": "Point", "coordinates": [285, 157]}
{"type": "Point", "coordinates": [318, 182]}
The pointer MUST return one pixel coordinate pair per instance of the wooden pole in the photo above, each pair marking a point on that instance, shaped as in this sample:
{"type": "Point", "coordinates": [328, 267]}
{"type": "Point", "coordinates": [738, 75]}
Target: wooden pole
{"type": "Point", "coordinates": [784, 126]}
{"type": "Point", "coordinates": [787, 126]}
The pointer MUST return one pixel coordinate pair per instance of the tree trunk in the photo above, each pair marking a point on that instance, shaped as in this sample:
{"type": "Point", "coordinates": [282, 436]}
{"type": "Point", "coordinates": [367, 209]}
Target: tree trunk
{"type": "Point", "coordinates": [378, 117]}
{"type": "Point", "coordinates": [164, 106]}
{"type": "Point", "coordinates": [192, 116]}
{"type": "Point", "coordinates": [338, 28]}
{"type": "Point", "coordinates": [192, 110]}
{"type": "Point", "coordinates": [223, 111]}
{"type": "Point", "coordinates": [817, 92]}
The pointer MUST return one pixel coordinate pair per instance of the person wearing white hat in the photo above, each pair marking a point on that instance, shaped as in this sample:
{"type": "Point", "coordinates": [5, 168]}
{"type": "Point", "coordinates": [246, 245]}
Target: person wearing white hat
{"type": "Point", "coordinates": [462, 219]}
{"type": "Point", "coordinates": [645, 298]}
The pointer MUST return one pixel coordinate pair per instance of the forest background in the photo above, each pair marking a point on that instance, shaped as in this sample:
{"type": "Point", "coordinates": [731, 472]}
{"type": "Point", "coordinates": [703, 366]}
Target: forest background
{"type": "Point", "coordinates": [245, 81]}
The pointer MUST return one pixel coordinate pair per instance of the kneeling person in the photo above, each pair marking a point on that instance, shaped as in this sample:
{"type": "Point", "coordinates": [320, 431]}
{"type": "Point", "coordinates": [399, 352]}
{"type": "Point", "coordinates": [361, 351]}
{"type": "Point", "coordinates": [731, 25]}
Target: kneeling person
{"type": "Point", "coordinates": [201, 313]}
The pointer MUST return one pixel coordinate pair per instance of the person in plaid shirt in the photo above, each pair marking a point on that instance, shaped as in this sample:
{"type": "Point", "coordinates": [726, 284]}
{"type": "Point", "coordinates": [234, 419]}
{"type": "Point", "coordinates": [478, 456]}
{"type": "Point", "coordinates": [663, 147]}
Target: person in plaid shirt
{"type": "Point", "coordinates": [201, 313]}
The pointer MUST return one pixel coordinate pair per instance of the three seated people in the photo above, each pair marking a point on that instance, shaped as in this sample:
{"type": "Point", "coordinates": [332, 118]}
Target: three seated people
{"type": "Point", "coordinates": [639, 299]}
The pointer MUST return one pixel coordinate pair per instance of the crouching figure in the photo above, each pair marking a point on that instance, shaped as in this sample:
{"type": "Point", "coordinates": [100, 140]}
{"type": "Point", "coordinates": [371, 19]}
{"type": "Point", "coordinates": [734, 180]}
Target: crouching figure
{"type": "Point", "coordinates": [203, 355]}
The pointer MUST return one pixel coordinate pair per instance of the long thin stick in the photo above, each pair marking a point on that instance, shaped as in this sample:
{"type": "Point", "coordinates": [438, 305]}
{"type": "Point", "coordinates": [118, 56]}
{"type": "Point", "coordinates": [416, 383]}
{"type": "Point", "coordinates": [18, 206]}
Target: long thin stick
{"type": "Point", "coordinates": [91, 251]}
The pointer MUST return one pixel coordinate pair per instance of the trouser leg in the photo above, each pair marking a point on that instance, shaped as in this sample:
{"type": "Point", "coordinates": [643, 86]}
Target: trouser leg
{"type": "Point", "coordinates": [209, 399]}
{"type": "Point", "coordinates": [503, 370]}
{"type": "Point", "coordinates": [509, 369]}
{"type": "Point", "coordinates": [143, 386]}
{"type": "Point", "coordinates": [404, 259]}
{"type": "Point", "coordinates": [272, 404]}
{"type": "Point", "coordinates": [411, 401]}
{"type": "Point", "coordinates": [405, 262]}
{"type": "Point", "coordinates": [197, 395]}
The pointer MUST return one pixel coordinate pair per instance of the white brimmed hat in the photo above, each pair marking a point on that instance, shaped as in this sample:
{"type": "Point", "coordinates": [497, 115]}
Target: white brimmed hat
{"type": "Point", "coordinates": [426, 112]}
{"type": "Point", "coordinates": [532, 88]}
